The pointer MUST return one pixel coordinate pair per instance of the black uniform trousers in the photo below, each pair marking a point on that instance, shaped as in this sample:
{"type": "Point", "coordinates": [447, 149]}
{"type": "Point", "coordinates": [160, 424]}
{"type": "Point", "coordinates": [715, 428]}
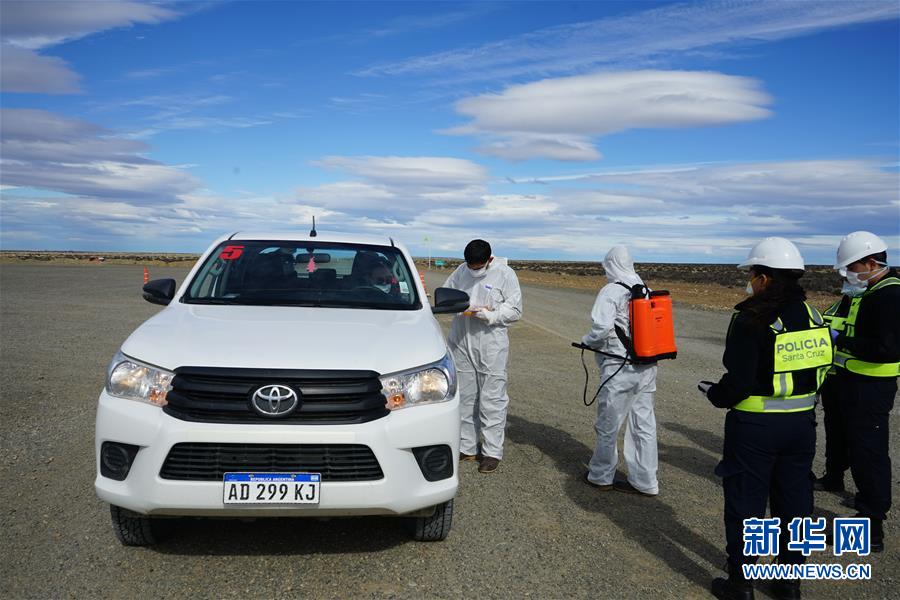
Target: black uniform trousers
{"type": "Point", "coordinates": [767, 458]}
{"type": "Point", "coordinates": [837, 446]}
{"type": "Point", "coordinates": [867, 403]}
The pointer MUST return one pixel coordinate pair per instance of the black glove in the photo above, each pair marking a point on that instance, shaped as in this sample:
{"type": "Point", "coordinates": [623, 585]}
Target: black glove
{"type": "Point", "coordinates": [704, 386]}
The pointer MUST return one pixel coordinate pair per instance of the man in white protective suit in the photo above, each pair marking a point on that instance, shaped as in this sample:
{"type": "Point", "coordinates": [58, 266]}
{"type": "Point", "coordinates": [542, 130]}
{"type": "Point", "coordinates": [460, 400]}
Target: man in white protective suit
{"type": "Point", "coordinates": [480, 346]}
{"type": "Point", "coordinates": [628, 392]}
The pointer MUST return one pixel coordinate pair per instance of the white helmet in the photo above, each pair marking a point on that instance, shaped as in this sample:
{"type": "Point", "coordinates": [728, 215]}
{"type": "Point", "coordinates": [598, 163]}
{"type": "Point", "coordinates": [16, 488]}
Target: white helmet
{"type": "Point", "coordinates": [857, 245]}
{"type": "Point", "coordinates": [775, 253]}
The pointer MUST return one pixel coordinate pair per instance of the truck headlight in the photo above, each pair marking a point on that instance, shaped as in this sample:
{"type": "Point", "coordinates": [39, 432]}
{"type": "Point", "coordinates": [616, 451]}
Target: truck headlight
{"type": "Point", "coordinates": [423, 385]}
{"type": "Point", "coordinates": [133, 380]}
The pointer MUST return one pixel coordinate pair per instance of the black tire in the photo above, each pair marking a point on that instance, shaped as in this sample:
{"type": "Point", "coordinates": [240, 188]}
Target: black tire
{"type": "Point", "coordinates": [434, 528]}
{"type": "Point", "coordinates": [134, 529]}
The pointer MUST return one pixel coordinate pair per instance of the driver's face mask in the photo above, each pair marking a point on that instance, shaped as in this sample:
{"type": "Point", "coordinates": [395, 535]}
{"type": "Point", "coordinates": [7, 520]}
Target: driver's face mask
{"type": "Point", "coordinates": [384, 287]}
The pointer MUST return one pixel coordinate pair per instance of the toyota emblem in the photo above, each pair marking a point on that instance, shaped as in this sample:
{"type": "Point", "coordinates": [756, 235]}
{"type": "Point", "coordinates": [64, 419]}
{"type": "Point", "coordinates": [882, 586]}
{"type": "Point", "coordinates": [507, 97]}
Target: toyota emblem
{"type": "Point", "coordinates": [274, 400]}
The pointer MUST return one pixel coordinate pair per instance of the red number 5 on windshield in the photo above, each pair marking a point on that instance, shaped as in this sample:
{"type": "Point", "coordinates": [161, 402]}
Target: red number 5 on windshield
{"type": "Point", "coordinates": [231, 252]}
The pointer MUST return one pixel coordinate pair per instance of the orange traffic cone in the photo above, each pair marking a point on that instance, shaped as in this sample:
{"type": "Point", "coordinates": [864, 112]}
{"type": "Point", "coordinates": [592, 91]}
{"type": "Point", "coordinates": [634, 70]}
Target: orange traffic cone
{"type": "Point", "coordinates": [422, 279]}
{"type": "Point", "coordinates": [146, 276]}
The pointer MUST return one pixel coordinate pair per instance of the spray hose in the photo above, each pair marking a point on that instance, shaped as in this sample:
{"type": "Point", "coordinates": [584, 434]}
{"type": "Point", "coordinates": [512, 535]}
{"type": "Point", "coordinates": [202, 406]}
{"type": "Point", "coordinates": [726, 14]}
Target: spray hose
{"type": "Point", "coordinates": [625, 360]}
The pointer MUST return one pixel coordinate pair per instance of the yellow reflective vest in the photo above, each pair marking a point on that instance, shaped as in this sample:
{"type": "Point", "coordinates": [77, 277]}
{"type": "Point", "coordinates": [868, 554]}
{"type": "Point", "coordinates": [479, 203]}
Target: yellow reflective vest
{"type": "Point", "coordinates": [807, 349]}
{"type": "Point", "coordinates": [845, 360]}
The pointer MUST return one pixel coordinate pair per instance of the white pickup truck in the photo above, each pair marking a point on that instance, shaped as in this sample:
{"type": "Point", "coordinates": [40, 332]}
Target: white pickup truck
{"type": "Point", "coordinates": [290, 375]}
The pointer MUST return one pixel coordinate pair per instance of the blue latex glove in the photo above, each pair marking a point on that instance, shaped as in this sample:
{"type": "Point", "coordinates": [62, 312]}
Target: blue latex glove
{"type": "Point", "coordinates": [834, 334]}
{"type": "Point", "coordinates": [704, 386]}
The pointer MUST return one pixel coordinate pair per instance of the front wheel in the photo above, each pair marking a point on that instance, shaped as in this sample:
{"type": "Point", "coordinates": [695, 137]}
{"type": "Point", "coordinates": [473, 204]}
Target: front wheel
{"type": "Point", "coordinates": [436, 527]}
{"type": "Point", "coordinates": [135, 529]}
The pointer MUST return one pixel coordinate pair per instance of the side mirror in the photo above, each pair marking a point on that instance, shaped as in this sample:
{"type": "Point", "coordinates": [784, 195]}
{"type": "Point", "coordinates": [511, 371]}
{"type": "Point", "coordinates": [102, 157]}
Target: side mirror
{"type": "Point", "coordinates": [448, 300]}
{"type": "Point", "coordinates": [159, 291]}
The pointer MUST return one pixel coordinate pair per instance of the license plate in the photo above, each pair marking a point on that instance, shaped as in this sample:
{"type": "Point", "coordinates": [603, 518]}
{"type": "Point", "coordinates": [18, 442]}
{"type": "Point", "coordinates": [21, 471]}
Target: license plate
{"type": "Point", "coordinates": [271, 488]}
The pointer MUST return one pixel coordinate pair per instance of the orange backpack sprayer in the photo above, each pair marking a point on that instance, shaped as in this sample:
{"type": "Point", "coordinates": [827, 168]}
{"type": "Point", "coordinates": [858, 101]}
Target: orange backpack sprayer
{"type": "Point", "coordinates": [652, 332]}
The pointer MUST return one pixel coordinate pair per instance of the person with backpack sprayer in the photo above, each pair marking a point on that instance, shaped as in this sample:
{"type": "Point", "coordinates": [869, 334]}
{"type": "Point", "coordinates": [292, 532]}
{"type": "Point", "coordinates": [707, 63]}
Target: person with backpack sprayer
{"type": "Point", "coordinates": [628, 384]}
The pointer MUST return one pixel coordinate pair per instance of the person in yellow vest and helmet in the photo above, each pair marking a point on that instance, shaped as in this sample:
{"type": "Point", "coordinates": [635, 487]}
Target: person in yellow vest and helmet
{"type": "Point", "coordinates": [777, 352]}
{"type": "Point", "coordinates": [867, 364]}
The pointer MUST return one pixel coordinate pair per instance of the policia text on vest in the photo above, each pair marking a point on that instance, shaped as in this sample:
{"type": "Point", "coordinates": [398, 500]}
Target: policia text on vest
{"type": "Point", "coordinates": [803, 350]}
{"type": "Point", "coordinates": [806, 350]}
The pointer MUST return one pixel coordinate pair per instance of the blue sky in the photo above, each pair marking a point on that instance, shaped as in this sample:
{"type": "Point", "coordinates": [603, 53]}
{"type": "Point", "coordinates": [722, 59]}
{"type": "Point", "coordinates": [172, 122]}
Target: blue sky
{"type": "Point", "coordinates": [687, 131]}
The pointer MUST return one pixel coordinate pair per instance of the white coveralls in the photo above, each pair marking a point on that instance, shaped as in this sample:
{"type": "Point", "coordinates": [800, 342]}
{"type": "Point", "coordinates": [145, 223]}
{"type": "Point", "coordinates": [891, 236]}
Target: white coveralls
{"type": "Point", "coordinates": [480, 348]}
{"type": "Point", "coordinates": [629, 395]}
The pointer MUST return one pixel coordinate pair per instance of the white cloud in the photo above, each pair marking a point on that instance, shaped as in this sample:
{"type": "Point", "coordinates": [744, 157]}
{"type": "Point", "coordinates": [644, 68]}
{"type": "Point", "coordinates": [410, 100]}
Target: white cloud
{"type": "Point", "coordinates": [150, 73]}
{"type": "Point", "coordinates": [348, 196]}
{"type": "Point", "coordinates": [652, 35]}
{"type": "Point", "coordinates": [516, 147]}
{"type": "Point", "coordinates": [604, 202]}
{"type": "Point", "coordinates": [705, 212]}
{"type": "Point", "coordinates": [168, 112]}
{"type": "Point", "coordinates": [721, 207]}
{"type": "Point", "coordinates": [34, 25]}
{"type": "Point", "coordinates": [604, 103]}
{"type": "Point", "coordinates": [495, 209]}
{"type": "Point", "coordinates": [47, 151]}
{"type": "Point", "coordinates": [23, 70]}
{"type": "Point", "coordinates": [712, 212]}
{"type": "Point", "coordinates": [812, 185]}
{"type": "Point", "coordinates": [553, 118]}
{"type": "Point", "coordinates": [418, 23]}
{"type": "Point", "coordinates": [27, 26]}
{"type": "Point", "coordinates": [396, 188]}
{"type": "Point", "coordinates": [419, 172]}
{"type": "Point", "coordinates": [32, 136]}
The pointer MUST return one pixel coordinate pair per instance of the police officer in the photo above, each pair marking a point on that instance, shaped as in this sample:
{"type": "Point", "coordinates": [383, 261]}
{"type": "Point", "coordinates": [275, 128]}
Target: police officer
{"type": "Point", "coordinates": [777, 352]}
{"type": "Point", "coordinates": [867, 357]}
{"type": "Point", "coordinates": [837, 450]}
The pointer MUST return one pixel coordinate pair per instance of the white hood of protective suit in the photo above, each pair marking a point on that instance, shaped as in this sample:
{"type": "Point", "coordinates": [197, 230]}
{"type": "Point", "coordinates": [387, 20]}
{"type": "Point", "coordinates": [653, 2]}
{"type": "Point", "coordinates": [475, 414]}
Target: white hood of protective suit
{"type": "Point", "coordinates": [619, 266]}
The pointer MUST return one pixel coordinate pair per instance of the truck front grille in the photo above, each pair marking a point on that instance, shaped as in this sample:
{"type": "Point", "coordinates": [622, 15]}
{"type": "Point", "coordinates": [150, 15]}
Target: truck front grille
{"type": "Point", "coordinates": [223, 395]}
{"type": "Point", "coordinates": [210, 462]}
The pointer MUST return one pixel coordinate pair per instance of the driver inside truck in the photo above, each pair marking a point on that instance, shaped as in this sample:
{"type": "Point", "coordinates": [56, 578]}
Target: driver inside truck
{"type": "Point", "coordinates": [379, 276]}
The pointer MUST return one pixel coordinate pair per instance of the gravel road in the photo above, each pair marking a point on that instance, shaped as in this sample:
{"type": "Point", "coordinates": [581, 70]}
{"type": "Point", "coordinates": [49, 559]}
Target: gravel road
{"type": "Point", "coordinates": [530, 530]}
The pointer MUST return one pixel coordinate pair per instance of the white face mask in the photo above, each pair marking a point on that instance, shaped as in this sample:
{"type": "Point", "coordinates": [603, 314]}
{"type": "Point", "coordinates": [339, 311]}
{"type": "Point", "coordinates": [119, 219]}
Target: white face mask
{"type": "Point", "coordinates": [479, 273]}
{"type": "Point", "coordinates": [853, 289]}
{"type": "Point", "coordinates": [386, 288]}
{"type": "Point", "coordinates": [749, 288]}
{"type": "Point", "coordinates": [855, 279]}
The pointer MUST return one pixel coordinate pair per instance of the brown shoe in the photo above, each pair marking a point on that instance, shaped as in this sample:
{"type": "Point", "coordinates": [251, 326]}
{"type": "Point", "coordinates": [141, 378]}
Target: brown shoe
{"type": "Point", "coordinates": [467, 457]}
{"type": "Point", "coordinates": [603, 488]}
{"type": "Point", "coordinates": [624, 486]}
{"type": "Point", "coordinates": [488, 464]}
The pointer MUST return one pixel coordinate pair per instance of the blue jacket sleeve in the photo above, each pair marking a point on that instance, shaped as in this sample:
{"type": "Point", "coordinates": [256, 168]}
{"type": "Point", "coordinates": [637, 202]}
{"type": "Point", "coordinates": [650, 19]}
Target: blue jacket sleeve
{"type": "Point", "coordinates": [741, 360]}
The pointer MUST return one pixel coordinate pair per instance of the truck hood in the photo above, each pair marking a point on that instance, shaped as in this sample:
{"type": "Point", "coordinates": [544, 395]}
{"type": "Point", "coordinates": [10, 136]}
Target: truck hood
{"type": "Point", "coordinates": [282, 337]}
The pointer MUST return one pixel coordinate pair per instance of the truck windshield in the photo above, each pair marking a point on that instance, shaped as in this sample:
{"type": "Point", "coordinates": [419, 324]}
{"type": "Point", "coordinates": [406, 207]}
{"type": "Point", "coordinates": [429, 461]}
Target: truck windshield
{"type": "Point", "coordinates": [276, 273]}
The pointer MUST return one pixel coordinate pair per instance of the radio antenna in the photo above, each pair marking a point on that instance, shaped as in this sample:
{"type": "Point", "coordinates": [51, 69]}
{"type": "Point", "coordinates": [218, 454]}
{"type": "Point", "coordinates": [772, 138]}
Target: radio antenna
{"type": "Point", "coordinates": [312, 232]}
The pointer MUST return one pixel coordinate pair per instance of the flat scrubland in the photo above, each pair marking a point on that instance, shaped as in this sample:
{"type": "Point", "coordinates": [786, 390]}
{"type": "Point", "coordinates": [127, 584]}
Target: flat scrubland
{"type": "Point", "coordinates": [711, 286]}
